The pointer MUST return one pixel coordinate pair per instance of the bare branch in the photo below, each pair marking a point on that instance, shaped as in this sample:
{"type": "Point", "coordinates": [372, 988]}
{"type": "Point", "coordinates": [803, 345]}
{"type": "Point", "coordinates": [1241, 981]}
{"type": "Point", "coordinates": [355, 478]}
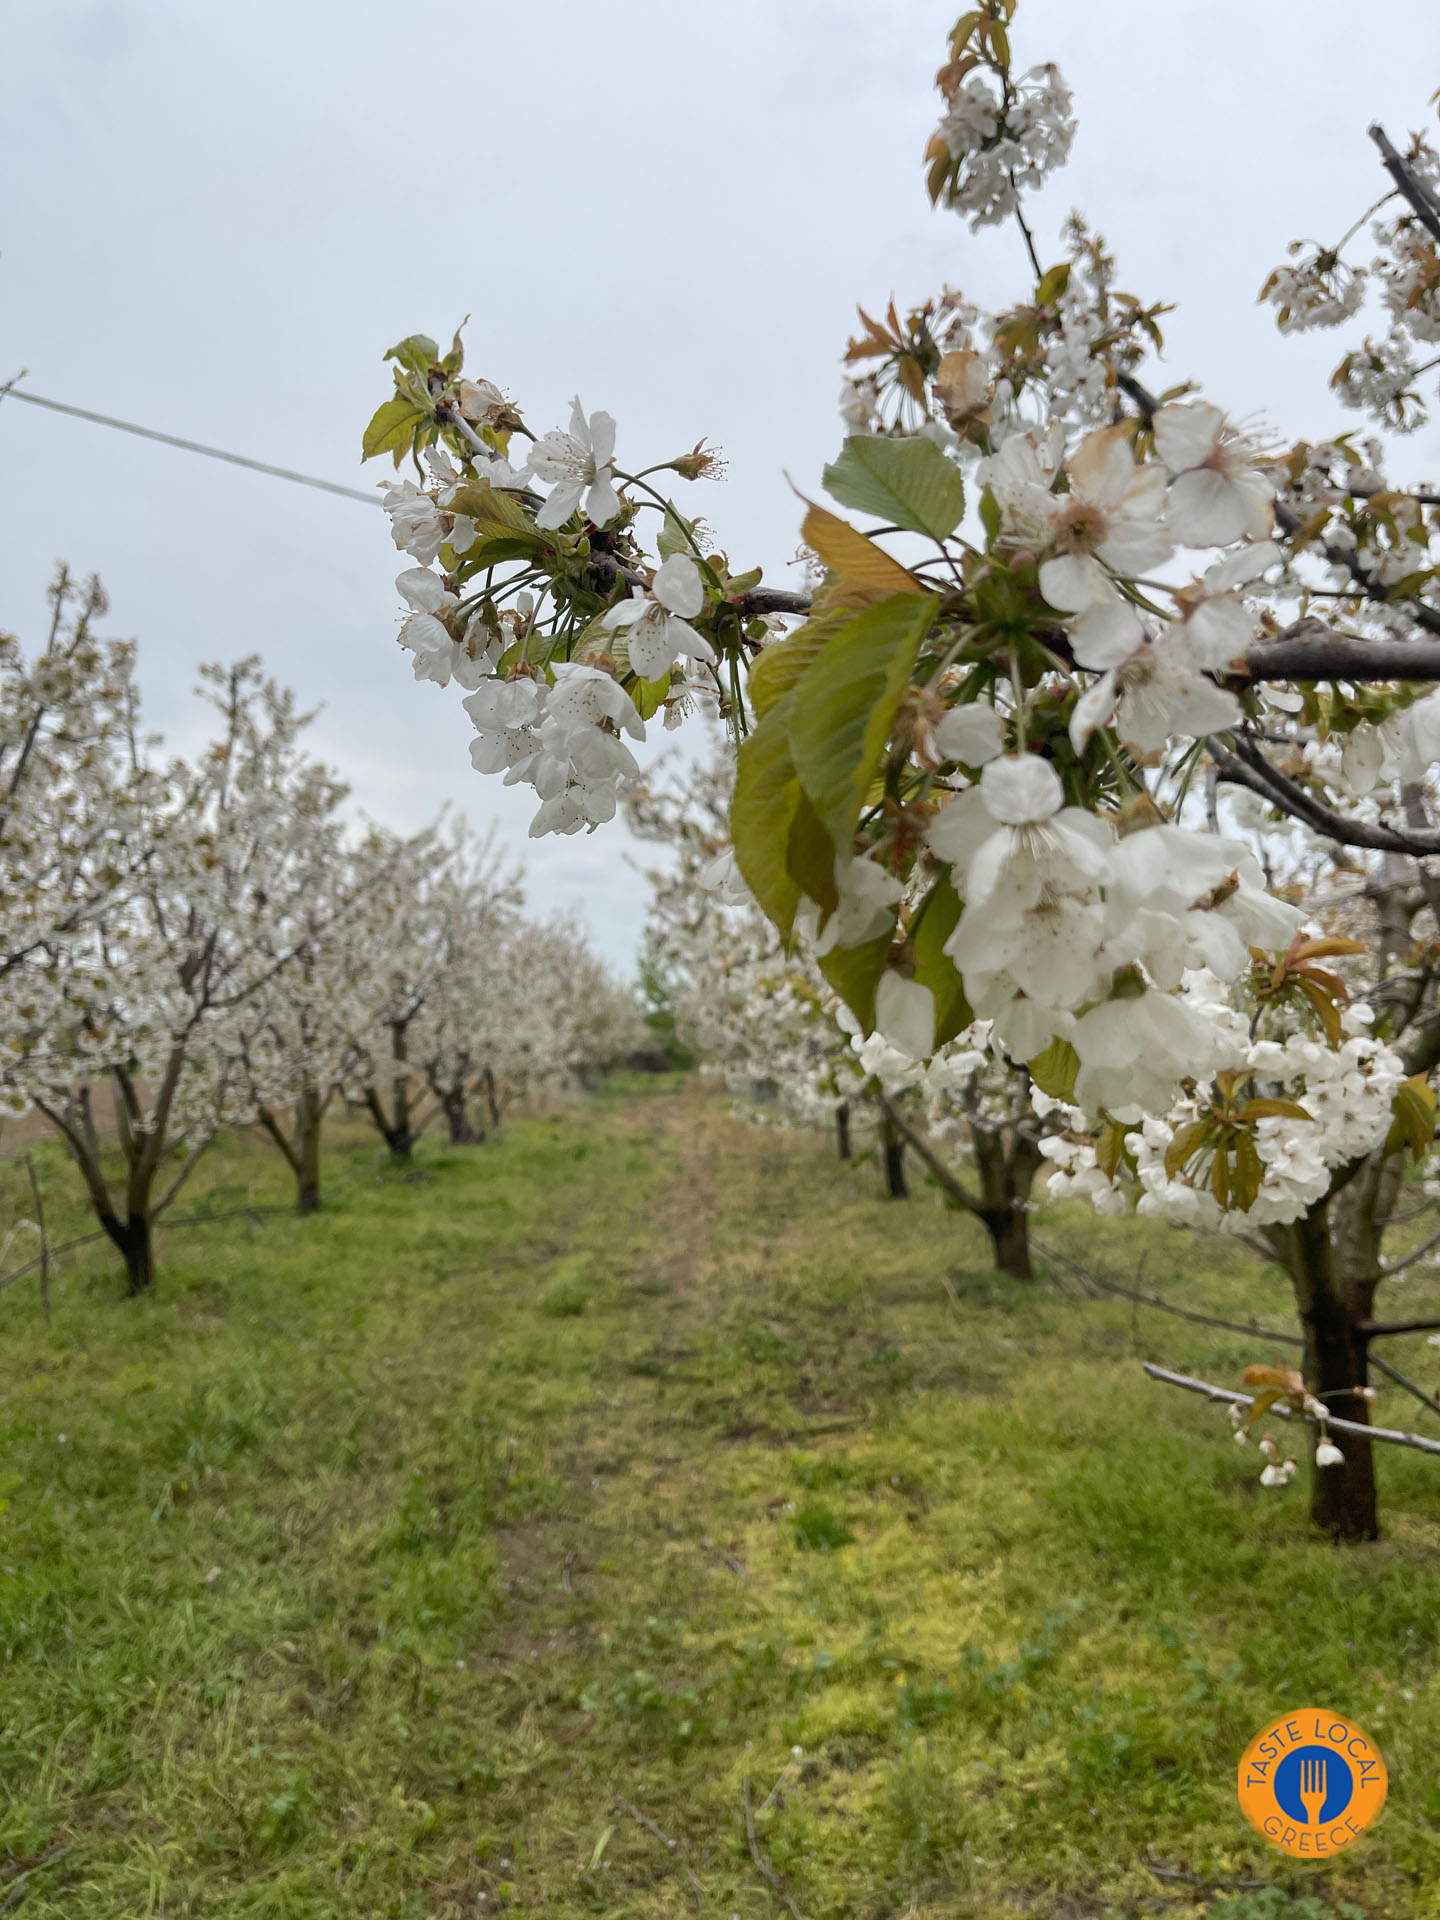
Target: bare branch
{"type": "Point", "coordinates": [1248, 767]}
{"type": "Point", "coordinates": [931, 1159]}
{"type": "Point", "coordinates": [1390, 1434]}
{"type": "Point", "coordinates": [755, 1854]}
{"type": "Point", "coordinates": [1427, 208]}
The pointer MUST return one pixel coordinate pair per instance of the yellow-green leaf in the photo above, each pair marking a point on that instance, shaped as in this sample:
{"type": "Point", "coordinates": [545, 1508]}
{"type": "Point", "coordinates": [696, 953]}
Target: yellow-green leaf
{"type": "Point", "coordinates": [777, 667]}
{"type": "Point", "coordinates": [855, 973]}
{"type": "Point", "coordinates": [1054, 1070]}
{"type": "Point", "coordinates": [932, 926]}
{"type": "Point", "coordinates": [392, 427]}
{"type": "Point", "coordinates": [842, 708]}
{"type": "Point", "coordinates": [1248, 1172]}
{"type": "Point", "coordinates": [762, 809]}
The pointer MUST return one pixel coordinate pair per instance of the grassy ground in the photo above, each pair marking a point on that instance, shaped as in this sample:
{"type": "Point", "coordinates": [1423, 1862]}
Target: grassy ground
{"type": "Point", "coordinates": [479, 1546]}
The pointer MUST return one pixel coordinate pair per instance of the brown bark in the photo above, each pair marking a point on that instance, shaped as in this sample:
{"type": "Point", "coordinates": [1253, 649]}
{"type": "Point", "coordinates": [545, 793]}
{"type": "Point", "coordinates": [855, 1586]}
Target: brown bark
{"type": "Point", "coordinates": [842, 1129]}
{"type": "Point", "coordinates": [1007, 1169]}
{"type": "Point", "coordinates": [893, 1143]}
{"type": "Point", "coordinates": [1332, 1255]}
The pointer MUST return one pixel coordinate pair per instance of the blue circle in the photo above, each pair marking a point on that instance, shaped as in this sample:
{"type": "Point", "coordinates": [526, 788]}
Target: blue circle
{"type": "Point", "coordinates": [1339, 1784]}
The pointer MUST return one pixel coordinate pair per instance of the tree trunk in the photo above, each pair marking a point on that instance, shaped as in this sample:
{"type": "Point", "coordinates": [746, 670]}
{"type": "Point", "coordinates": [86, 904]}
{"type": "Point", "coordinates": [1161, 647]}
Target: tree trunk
{"type": "Point", "coordinates": [842, 1129]}
{"type": "Point", "coordinates": [492, 1099]}
{"type": "Point", "coordinates": [894, 1145]}
{"type": "Point", "coordinates": [1009, 1233]}
{"type": "Point", "coordinates": [135, 1240]}
{"type": "Point", "coordinates": [309, 1114]}
{"type": "Point", "coordinates": [1332, 1254]}
{"type": "Point", "coordinates": [463, 1133]}
{"type": "Point", "coordinates": [1007, 1172]}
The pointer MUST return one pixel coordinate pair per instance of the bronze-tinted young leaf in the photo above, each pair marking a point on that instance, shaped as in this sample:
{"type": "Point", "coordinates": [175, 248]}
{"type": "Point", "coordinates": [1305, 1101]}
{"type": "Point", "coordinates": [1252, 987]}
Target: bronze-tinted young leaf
{"type": "Point", "coordinates": [843, 707]}
{"type": "Point", "coordinates": [908, 483]}
{"type": "Point", "coordinates": [932, 926]}
{"type": "Point", "coordinates": [1262, 1403]}
{"type": "Point", "coordinates": [1054, 1070]}
{"type": "Point", "coordinates": [1187, 1142]}
{"type": "Point", "coordinates": [847, 552]}
{"type": "Point", "coordinates": [1247, 1175]}
{"type": "Point", "coordinates": [1274, 1110]}
{"type": "Point", "coordinates": [1325, 1008]}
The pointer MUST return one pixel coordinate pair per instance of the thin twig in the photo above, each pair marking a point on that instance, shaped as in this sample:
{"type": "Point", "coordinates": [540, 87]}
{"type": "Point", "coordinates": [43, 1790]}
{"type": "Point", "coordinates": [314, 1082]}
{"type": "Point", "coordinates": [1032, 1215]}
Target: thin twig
{"type": "Point", "coordinates": [640, 1819]}
{"type": "Point", "coordinates": [44, 1238]}
{"type": "Point", "coordinates": [22, 1884]}
{"type": "Point", "coordinates": [1400, 1380]}
{"type": "Point", "coordinates": [769, 1872]}
{"type": "Point", "coordinates": [1387, 1267]}
{"type": "Point", "coordinates": [1189, 1879]}
{"type": "Point", "coordinates": [1164, 1306]}
{"type": "Point", "coordinates": [1391, 1435]}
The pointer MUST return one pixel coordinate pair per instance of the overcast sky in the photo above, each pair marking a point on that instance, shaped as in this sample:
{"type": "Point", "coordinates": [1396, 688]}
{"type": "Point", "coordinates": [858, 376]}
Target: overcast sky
{"type": "Point", "coordinates": [219, 217]}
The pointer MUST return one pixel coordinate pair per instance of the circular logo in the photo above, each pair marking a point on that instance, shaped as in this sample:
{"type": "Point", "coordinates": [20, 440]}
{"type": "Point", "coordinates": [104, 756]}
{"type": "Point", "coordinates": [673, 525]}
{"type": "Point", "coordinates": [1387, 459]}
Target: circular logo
{"type": "Point", "coordinates": [1311, 1783]}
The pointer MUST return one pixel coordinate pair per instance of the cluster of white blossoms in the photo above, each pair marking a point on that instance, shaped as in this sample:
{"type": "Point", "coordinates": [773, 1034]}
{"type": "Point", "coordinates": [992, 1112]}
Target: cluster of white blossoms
{"type": "Point", "coordinates": [556, 726]}
{"type": "Point", "coordinates": [1072, 933]}
{"type": "Point", "coordinates": [1319, 290]}
{"type": "Point", "coordinates": [1323, 289]}
{"type": "Point", "coordinates": [1004, 136]}
{"type": "Point", "coordinates": [1340, 1102]}
{"type": "Point", "coordinates": [564, 740]}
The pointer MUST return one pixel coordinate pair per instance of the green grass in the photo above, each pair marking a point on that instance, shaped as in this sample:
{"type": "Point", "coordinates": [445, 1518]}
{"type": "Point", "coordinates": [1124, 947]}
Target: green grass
{"type": "Point", "coordinates": [472, 1536]}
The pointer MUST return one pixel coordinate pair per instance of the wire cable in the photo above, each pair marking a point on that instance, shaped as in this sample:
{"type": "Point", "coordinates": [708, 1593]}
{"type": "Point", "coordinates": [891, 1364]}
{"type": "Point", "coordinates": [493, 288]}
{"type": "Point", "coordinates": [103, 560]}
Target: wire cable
{"type": "Point", "coordinates": [14, 392]}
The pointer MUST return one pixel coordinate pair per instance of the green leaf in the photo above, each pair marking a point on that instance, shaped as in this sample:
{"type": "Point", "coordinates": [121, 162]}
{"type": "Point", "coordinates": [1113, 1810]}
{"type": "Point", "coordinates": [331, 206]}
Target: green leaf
{"type": "Point", "coordinates": [1413, 1122]}
{"type": "Point", "coordinates": [990, 515]}
{"type": "Point", "coordinates": [1245, 1183]}
{"type": "Point", "coordinates": [676, 534]}
{"type": "Point", "coordinates": [493, 507]}
{"type": "Point", "coordinates": [648, 695]}
{"type": "Point", "coordinates": [844, 707]}
{"type": "Point", "coordinates": [810, 856]}
{"type": "Point", "coordinates": [762, 809]}
{"type": "Point", "coordinates": [777, 667]}
{"type": "Point", "coordinates": [932, 926]}
{"type": "Point", "coordinates": [417, 352]}
{"type": "Point", "coordinates": [855, 973]}
{"type": "Point", "coordinates": [1054, 1070]}
{"type": "Point", "coordinates": [392, 427]}
{"type": "Point", "coordinates": [908, 483]}
{"type": "Point", "coordinates": [1053, 284]}
{"type": "Point", "coordinates": [490, 551]}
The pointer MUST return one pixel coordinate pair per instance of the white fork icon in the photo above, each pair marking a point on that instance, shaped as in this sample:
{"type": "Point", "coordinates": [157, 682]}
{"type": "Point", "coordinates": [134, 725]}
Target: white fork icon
{"type": "Point", "coordinates": [1312, 1786]}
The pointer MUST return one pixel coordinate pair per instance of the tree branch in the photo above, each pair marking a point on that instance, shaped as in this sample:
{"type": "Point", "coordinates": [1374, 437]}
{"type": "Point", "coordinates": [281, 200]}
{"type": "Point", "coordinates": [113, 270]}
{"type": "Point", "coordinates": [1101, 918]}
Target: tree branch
{"type": "Point", "coordinates": [1377, 1329]}
{"type": "Point", "coordinates": [1427, 208]}
{"type": "Point", "coordinates": [1248, 767]}
{"type": "Point", "coordinates": [931, 1159]}
{"type": "Point", "coordinates": [1309, 650]}
{"type": "Point", "coordinates": [1390, 1434]}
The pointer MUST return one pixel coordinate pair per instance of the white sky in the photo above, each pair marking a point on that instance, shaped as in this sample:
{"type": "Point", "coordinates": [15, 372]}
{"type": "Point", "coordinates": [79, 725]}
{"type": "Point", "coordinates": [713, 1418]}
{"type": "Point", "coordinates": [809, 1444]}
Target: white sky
{"type": "Point", "coordinates": [221, 216]}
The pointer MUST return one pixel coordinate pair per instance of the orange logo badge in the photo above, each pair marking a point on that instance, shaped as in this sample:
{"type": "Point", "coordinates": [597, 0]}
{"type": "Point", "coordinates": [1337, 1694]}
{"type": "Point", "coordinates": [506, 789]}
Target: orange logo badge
{"type": "Point", "coordinates": [1311, 1783]}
